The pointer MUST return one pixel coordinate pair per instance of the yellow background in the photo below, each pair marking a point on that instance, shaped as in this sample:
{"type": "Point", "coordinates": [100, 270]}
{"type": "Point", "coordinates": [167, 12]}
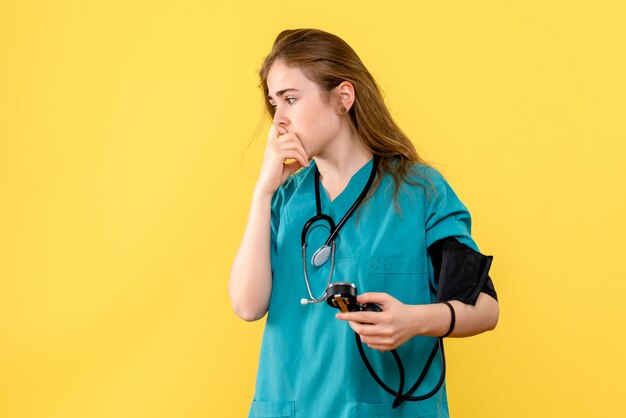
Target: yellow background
{"type": "Point", "coordinates": [130, 140]}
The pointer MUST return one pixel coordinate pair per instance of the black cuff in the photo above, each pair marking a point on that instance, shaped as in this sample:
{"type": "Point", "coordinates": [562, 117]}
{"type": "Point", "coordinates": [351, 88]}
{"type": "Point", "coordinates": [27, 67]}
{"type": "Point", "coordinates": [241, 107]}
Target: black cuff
{"type": "Point", "coordinates": [461, 273]}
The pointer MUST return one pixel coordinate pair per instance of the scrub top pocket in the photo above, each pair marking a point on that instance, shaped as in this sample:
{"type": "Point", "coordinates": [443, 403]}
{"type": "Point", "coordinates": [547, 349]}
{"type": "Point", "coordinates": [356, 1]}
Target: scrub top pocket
{"type": "Point", "coordinates": [396, 265]}
{"type": "Point", "coordinates": [405, 278]}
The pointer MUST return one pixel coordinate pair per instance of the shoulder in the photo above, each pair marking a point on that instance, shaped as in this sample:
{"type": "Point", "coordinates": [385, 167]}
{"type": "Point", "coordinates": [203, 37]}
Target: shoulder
{"type": "Point", "coordinates": [286, 191]}
{"type": "Point", "coordinates": [423, 179]}
{"type": "Point", "coordinates": [423, 172]}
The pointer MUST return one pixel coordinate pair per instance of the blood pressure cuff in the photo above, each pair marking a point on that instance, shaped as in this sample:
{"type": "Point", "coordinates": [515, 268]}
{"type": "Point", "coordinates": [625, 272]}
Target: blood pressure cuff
{"type": "Point", "coordinates": [461, 273]}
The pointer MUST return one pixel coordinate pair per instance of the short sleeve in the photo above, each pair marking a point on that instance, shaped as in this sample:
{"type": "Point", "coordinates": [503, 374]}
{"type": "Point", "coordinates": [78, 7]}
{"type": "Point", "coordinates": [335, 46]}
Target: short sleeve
{"type": "Point", "coordinates": [446, 215]}
{"type": "Point", "coordinates": [276, 208]}
{"type": "Point", "coordinates": [460, 270]}
{"type": "Point", "coordinates": [279, 201]}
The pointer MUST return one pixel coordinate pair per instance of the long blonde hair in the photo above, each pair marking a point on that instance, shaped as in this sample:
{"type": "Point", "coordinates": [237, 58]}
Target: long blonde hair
{"type": "Point", "coordinates": [328, 60]}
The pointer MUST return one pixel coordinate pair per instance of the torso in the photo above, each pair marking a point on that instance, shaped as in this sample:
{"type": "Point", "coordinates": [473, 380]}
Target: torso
{"type": "Point", "coordinates": [309, 361]}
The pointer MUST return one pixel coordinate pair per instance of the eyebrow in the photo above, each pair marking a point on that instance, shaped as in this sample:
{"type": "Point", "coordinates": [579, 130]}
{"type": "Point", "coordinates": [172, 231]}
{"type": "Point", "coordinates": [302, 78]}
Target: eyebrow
{"type": "Point", "coordinates": [280, 93]}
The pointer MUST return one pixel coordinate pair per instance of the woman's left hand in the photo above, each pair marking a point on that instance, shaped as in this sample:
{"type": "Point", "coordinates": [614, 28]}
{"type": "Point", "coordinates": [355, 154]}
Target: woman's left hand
{"type": "Point", "coordinates": [385, 330]}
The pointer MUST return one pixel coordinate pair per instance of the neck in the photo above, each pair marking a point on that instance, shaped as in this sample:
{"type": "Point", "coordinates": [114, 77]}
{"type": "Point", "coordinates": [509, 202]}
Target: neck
{"type": "Point", "coordinates": [339, 164]}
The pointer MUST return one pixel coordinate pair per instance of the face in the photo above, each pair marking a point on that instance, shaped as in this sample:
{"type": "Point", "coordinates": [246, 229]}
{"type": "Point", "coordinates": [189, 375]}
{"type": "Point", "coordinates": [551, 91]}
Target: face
{"type": "Point", "coordinates": [300, 108]}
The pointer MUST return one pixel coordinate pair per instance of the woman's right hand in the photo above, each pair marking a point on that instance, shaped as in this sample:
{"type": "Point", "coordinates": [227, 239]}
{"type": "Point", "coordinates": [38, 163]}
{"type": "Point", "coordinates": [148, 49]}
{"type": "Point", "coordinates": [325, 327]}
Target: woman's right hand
{"type": "Point", "coordinates": [275, 170]}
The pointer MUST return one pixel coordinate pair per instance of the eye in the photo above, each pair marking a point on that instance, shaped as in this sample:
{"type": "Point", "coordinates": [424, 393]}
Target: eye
{"type": "Point", "coordinates": [273, 106]}
{"type": "Point", "coordinates": [290, 100]}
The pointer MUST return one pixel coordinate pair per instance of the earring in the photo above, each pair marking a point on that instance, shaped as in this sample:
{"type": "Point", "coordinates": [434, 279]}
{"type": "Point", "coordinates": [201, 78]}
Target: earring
{"type": "Point", "coordinates": [343, 109]}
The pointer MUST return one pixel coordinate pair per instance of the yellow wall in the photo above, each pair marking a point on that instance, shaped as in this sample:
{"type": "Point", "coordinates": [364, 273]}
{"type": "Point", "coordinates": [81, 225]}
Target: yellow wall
{"type": "Point", "coordinates": [125, 183]}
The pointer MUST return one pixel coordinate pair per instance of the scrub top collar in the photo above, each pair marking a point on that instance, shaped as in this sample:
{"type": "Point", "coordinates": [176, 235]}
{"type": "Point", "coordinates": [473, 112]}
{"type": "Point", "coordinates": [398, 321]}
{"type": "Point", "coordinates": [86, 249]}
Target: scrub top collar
{"type": "Point", "coordinates": [345, 199]}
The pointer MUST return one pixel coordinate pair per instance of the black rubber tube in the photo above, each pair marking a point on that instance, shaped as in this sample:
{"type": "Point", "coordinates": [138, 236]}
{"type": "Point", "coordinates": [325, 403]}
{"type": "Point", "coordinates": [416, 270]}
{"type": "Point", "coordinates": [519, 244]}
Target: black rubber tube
{"type": "Point", "coordinates": [399, 396]}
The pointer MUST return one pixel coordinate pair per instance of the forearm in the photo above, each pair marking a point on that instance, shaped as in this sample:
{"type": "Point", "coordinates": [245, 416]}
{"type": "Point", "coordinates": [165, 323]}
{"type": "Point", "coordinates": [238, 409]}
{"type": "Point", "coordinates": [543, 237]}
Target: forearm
{"type": "Point", "coordinates": [434, 320]}
{"type": "Point", "coordinates": [250, 282]}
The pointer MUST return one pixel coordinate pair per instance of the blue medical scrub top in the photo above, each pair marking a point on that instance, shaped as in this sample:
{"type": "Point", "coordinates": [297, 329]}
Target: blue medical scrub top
{"type": "Point", "coordinates": [309, 364]}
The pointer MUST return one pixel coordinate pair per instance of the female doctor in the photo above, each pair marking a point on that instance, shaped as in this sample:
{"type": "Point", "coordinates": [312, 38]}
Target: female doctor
{"type": "Point", "coordinates": [332, 139]}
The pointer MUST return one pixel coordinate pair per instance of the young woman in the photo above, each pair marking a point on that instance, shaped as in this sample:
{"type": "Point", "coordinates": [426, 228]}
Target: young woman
{"type": "Point", "coordinates": [338, 174]}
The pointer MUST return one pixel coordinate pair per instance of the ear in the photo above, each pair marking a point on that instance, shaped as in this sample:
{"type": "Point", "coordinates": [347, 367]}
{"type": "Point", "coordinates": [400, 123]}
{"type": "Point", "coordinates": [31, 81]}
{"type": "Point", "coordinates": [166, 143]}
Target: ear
{"type": "Point", "coordinates": [345, 91]}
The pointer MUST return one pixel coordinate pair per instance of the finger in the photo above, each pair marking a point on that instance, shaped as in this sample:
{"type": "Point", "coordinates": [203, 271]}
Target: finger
{"type": "Point", "coordinates": [288, 158]}
{"type": "Point", "coordinates": [380, 347]}
{"type": "Point", "coordinates": [363, 317]}
{"type": "Point", "coordinates": [364, 330]}
{"type": "Point", "coordinates": [294, 151]}
{"type": "Point", "coordinates": [378, 298]}
{"type": "Point", "coordinates": [378, 343]}
{"type": "Point", "coordinates": [291, 167]}
{"type": "Point", "coordinates": [283, 149]}
{"type": "Point", "coordinates": [290, 137]}
{"type": "Point", "coordinates": [292, 142]}
{"type": "Point", "coordinates": [274, 132]}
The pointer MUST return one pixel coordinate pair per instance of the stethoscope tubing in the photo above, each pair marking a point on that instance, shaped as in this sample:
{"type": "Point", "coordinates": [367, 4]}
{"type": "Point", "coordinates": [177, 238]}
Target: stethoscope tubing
{"type": "Point", "coordinates": [334, 230]}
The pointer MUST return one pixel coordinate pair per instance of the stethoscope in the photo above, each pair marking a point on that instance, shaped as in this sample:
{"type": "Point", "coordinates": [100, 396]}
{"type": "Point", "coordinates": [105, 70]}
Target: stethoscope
{"type": "Point", "coordinates": [326, 251]}
{"type": "Point", "coordinates": [343, 295]}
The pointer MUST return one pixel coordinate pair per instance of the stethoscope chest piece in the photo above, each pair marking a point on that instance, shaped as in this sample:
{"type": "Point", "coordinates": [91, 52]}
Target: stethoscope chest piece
{"type": "Point", "coordinates": [321, 256]}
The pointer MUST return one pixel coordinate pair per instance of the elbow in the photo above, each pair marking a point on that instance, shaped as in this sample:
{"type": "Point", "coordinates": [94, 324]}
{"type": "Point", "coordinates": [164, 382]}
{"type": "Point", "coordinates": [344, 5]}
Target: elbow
{"type": "Point", "coordinates": [247, 314]}
{"type": "Point", "coordinates": [490, 309]}
{"type": "Point", "coordinates": [493, 317]}
{"type": "Point", "coordinates": [247, 306]}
